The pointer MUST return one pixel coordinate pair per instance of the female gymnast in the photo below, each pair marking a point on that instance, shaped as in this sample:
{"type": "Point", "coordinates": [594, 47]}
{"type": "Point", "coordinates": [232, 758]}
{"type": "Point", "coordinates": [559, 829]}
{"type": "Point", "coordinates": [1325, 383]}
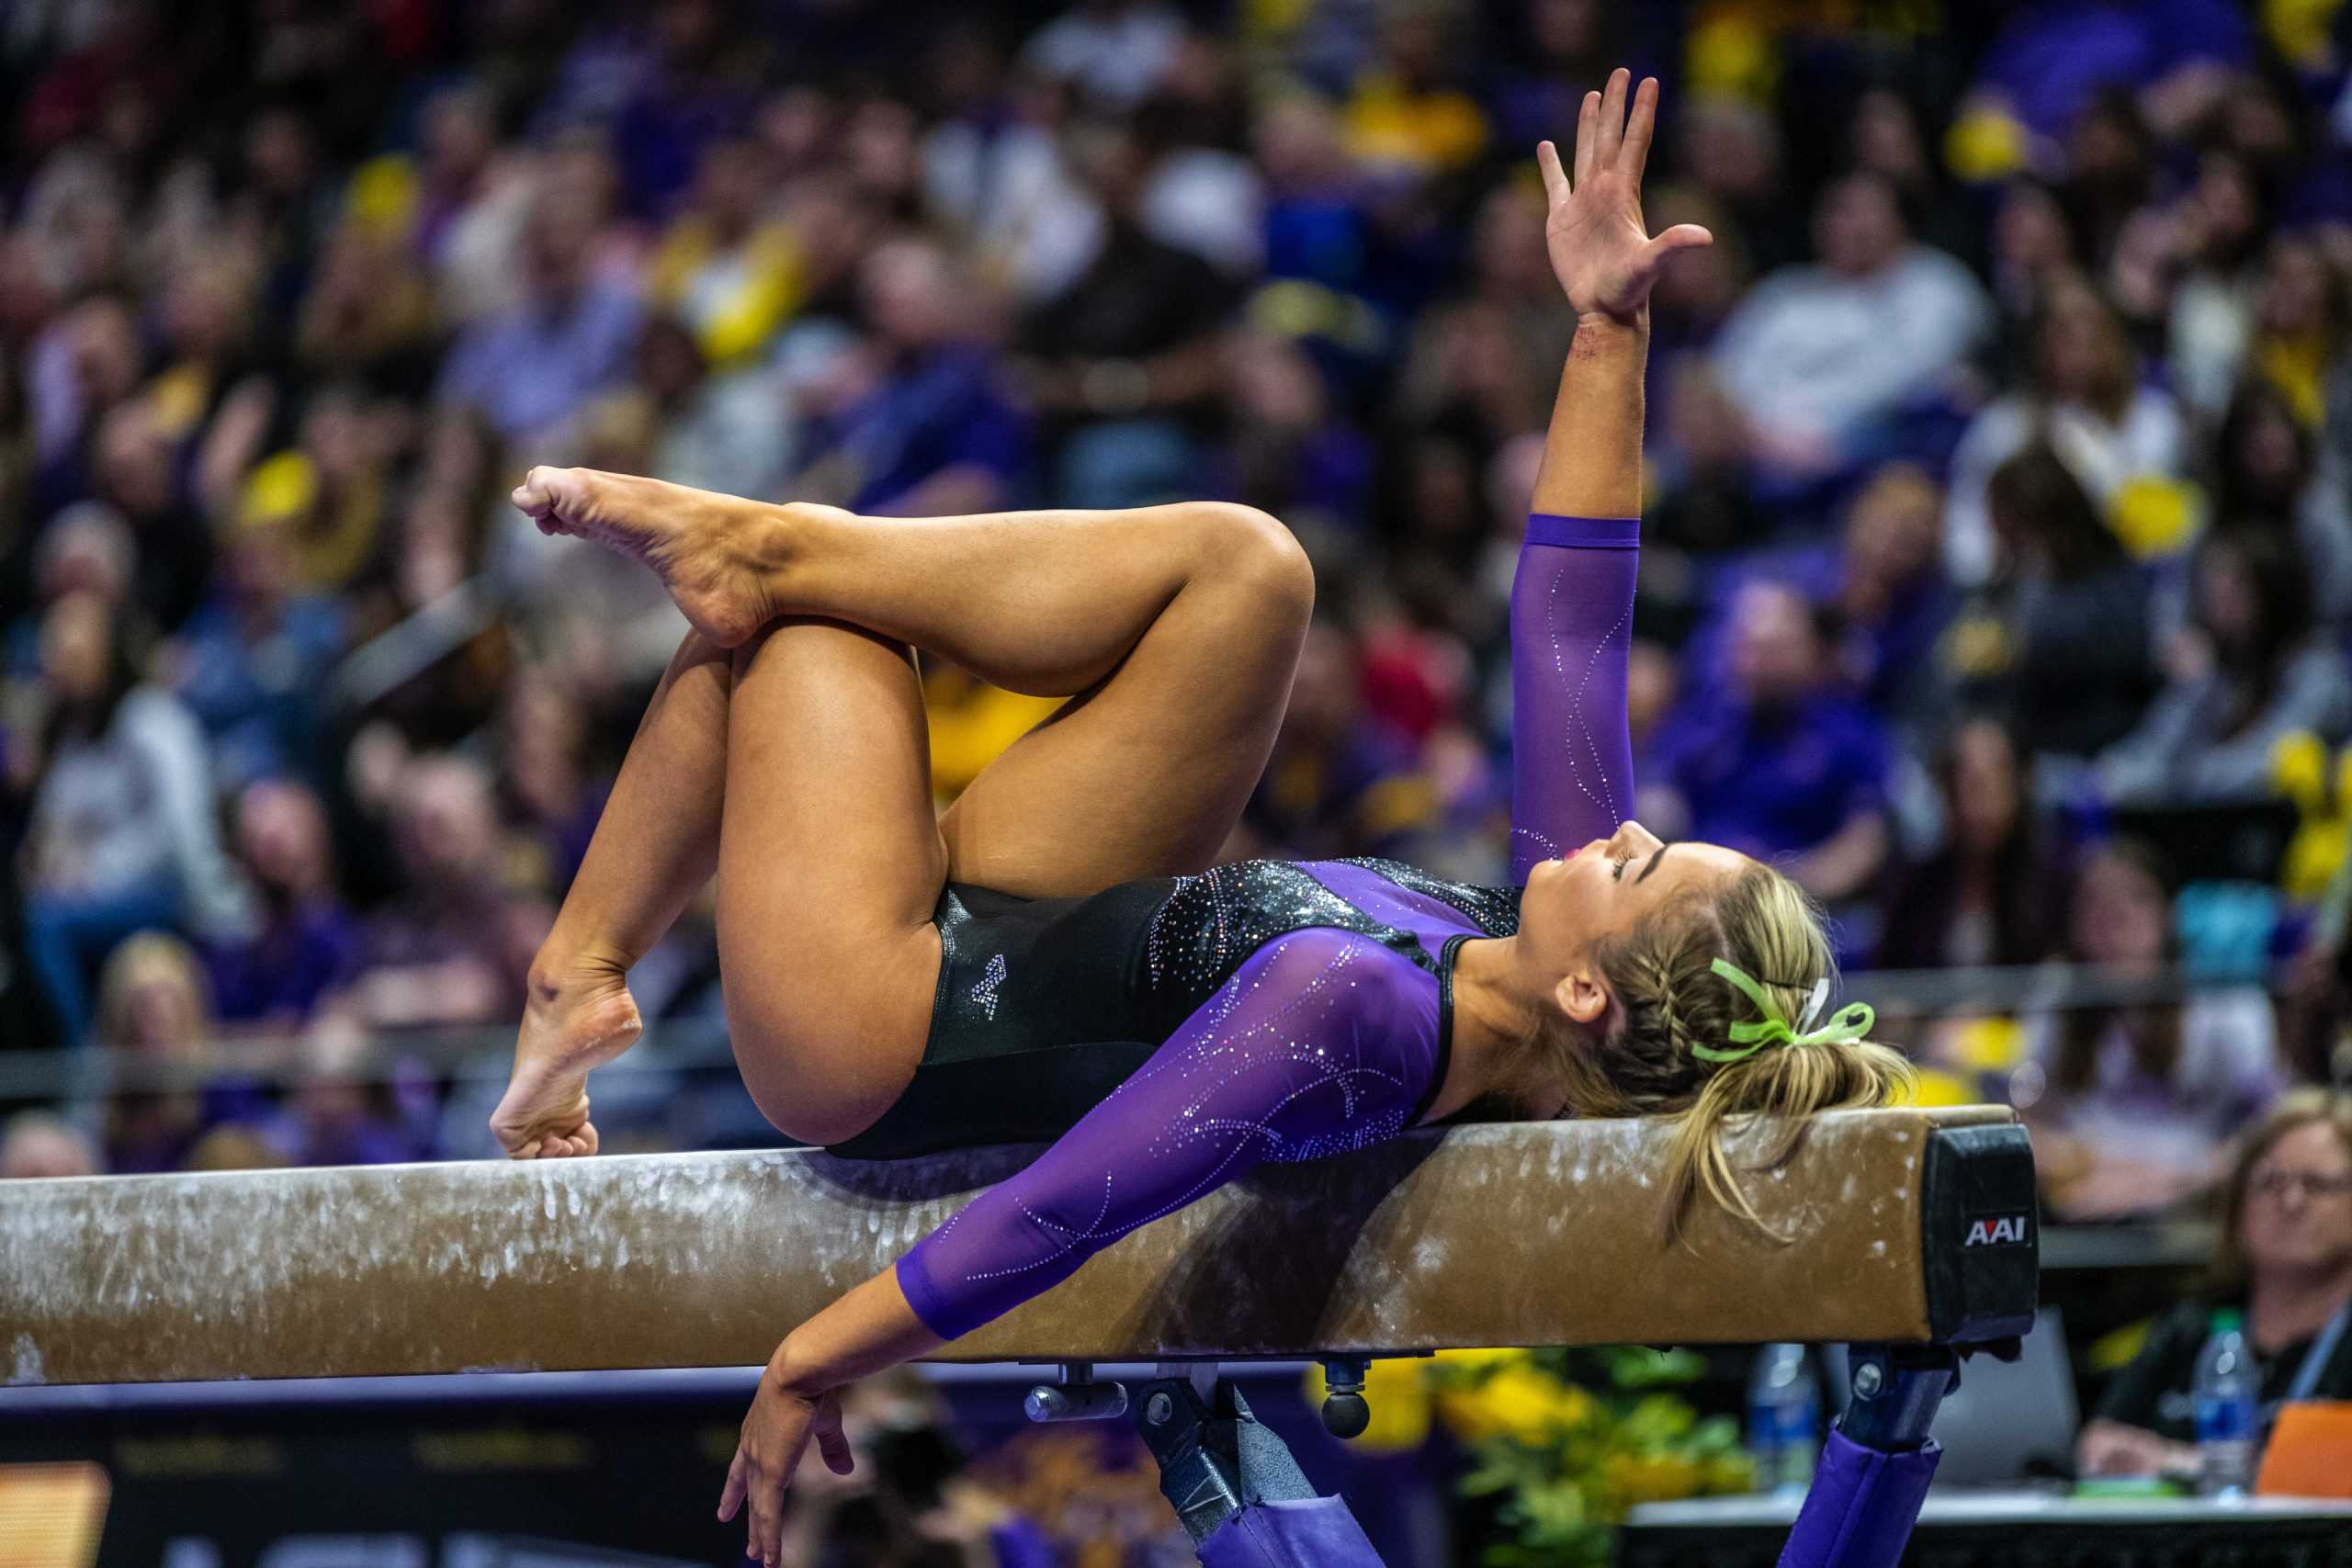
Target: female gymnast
{"type": "Point", "coordinates": [1057, 955]}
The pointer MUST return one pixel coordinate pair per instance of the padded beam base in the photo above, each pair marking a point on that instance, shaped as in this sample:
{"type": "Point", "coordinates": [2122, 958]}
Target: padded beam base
{"type": "Point", "coordinates": [1902, 1226]}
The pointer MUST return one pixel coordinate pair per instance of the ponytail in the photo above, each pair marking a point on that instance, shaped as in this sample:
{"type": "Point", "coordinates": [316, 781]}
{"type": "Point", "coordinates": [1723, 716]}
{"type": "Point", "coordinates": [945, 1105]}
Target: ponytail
{"type": "Point", "coordinates": [1677, 1046]}
{"type": "Point", "coordinates": [1787, 1085]}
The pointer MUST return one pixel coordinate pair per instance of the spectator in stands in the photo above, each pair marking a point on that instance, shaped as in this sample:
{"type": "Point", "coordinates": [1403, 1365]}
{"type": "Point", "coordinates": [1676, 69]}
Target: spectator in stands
{"type": "Point", "coordinates": [2219, 226]}
{"type": "Point", "coordinates": [1406, 119]}
{"type": "Point", "coordinates": [1980, 896]}
{"type": "Point", "coordinates": [1707, 501]}
{"type": "Point", "coordinates": [122, 834]}
{"type": "Point", "coordinates": [729, 431]}
{"type": "Point", "coordinates": [1293, 453]}
{"type": "Point", "coordinates": [132, 464]}
{"type": "Point", "coordinates": [2140, 1100]}
{"type": "Point", "coordinates": [37, 1146]}
{"type": "Point", "coordinates": [690, 83]}
{"type": "Point", "coordinates": [472, 200]}
{"type": "Point", "coordinates": [1340, 776]}
{"type": "Point", "coordinates": [553, 798]}
{"type": "Point", "coordinates": [84, 363]}
{"type": "Point", "coordinates": [330, 489]}
{"type": "Point", "coordinates": [1116, 51]}
{"type": "Point", "coordinates": [1883, 580]}
{"type": "Point", "coordinates": [2284, 1258]}
{"type": "Point", "coordinates": [528, 369]}
{"type": "Point", "coordinates": [1731, 151]}
{"type": "Point", "coordinates": [1319, 222]}
{"type": "Point", "coordinates": [726, 268]}
{"type": "Point", "coordinates": [2247, 672]}
{"type": "Point", "coordinates": [338, 1111]}
{"type": "Point", "coordinates": [1788, 764]}
{"type": "Point", "coordinates": [1487, 357]}
{"type": "Point", "coordinates": [2300, 313]}
{"type": "Point", "coordinates": [436, 955]}
{"type": "Point", "coordinates": [86, 548]}
{"type": "Point", "coordinates": [2061, 640]}
{"type": "Point", "coordinates": [368, 316]}
{"type": "Point", "coordinates": [1818, 359]}
{"type": "Point", "coordinates": [2033, 250]}
{"type": "Point", "coordinates": [2111, 167]}
{"type": "Point", "coordinates": [1121, 362]}
{"type": "Point", "coordinates": [248, 663]}
{"type": "Point", "coordinates": [930, 432]}
{"type": "Point", "coordinates": [308, 942]}
{"type": "Point", "coordinates": [152, 1007]}
{"type": "Point", "coordinates": [2082, 394]}
{"type": "Point", "coordinates": [2269, 476]}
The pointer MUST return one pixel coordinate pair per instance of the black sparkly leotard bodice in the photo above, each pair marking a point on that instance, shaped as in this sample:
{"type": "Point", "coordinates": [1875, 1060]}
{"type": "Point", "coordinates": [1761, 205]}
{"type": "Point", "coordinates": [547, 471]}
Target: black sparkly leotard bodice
{"type": "Point", "coordinates": [1045, 1005]}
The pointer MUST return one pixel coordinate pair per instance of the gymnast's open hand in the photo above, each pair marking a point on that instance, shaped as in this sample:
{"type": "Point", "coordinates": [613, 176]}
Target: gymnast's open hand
{"type": "Point", "coordinates": [775, 1434]}
{"type": "Point", "coordinates": [1601, 253]}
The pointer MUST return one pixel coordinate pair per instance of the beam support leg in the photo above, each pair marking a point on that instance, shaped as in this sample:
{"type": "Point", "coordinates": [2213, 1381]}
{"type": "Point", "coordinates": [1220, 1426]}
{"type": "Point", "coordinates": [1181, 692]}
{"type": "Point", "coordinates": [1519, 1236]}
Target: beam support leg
{"type": "Point", "coordinates": [1877, 1463]}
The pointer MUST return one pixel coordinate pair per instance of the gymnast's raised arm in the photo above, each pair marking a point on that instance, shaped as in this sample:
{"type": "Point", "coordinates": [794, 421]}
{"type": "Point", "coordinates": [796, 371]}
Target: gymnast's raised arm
{"type": "Point", "coordinates": [1572, 601]}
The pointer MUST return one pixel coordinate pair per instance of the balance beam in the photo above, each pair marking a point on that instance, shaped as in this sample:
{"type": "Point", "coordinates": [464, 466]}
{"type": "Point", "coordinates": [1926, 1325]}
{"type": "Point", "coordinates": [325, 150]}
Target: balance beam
{"type": "Point", "coordinates": [1903, 1225]}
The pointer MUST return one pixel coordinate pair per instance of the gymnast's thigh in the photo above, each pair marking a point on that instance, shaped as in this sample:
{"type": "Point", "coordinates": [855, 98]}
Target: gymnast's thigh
{"type": "Point", "coordinates": [830, 866]}
{"type": "Point", "coordinates": [1145, 774]}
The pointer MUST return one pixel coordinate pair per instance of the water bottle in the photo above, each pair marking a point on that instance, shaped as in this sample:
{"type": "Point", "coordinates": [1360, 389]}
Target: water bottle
{"type": "Point", "coordinates": [2228, 1390]}
{"type": "Point", "coordinates": [1783, 1419]}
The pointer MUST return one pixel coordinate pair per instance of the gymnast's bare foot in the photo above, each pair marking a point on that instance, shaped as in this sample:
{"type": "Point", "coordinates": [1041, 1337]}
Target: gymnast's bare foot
{"type": "Point", "coordinates": [718, 555]}
{"type": "Point", "coordinates": [579, 1017]}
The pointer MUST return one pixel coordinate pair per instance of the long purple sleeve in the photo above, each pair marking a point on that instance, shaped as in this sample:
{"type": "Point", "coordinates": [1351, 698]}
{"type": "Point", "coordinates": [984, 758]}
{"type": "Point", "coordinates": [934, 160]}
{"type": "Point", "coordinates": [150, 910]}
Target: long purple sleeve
{"type": "Point", "coordinates": [1323, 1040]}
{"type": "Point", "coordinates": [1571, 628]}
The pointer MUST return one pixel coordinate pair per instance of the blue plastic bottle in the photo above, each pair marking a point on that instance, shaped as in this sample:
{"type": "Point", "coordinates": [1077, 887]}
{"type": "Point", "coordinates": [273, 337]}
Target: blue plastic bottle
{"type": "Point", "coordinates": [2228, 1391]}
{"type": "Point", "coordinates": [1783, 1419]}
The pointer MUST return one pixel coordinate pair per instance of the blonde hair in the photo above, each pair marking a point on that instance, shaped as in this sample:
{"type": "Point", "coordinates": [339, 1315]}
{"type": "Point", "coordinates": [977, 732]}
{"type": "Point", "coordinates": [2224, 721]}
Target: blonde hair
{"type": "Point", "coordinates": [1669, 1000]}
{"type": "Point", "coordinates": [153, 958]}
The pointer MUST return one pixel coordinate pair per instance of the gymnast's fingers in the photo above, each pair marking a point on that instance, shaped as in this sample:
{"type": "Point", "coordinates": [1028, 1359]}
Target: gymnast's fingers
{"type": "Point", "coordinates": [1555, 179]}
{"type": "Point", "coordinates": [532, 495]}
{"type": "Point", "coordinates": [731, 1496]}
{"type": "Point", "coordinates": [831, 1441]}
{"type": "Point", "coordinates": [1612, 117]}
{"type": "Point", "coordinates": [1587, 138]}
{"type": "Point", "coordinates": [1635, 155]}
{"type": "Point", "coordinates": [1681, 237]}
{"type": "Point", "coordinates": [767, 1520]}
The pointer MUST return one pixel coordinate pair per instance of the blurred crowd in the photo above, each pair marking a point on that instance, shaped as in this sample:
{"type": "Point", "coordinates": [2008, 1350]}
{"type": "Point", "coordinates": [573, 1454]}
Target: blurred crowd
{"type": "Point", "coordinates": [1998, 558]}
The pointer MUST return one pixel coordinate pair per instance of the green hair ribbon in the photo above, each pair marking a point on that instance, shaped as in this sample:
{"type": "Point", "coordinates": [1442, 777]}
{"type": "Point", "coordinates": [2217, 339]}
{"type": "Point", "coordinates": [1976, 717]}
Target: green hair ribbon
{"type": "Point", "coordinates": [1850, 1024]}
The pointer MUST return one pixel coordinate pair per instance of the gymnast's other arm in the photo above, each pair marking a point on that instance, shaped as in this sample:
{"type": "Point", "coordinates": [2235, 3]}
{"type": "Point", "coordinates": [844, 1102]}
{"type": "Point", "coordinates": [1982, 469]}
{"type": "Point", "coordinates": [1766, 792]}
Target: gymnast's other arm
{"type": "Point", "coordinates": [1323, 1039]}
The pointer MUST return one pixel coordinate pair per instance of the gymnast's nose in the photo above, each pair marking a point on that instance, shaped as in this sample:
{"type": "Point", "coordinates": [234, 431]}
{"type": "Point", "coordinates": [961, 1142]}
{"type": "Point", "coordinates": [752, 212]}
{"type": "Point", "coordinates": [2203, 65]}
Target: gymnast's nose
{"type": "Point", "coordinates": [1632, 838]}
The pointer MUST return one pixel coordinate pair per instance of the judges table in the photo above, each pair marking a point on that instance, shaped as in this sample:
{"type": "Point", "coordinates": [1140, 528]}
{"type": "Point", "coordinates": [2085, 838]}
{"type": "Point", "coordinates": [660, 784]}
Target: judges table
{"type": "Point", "coordinates": [2017, 1527]}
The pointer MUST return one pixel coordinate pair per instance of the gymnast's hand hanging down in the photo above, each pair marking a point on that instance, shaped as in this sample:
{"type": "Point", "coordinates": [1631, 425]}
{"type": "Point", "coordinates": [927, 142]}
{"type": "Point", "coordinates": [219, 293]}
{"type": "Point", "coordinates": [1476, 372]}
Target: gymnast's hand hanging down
{"type": "Point", "coordinates": [1057, 957]}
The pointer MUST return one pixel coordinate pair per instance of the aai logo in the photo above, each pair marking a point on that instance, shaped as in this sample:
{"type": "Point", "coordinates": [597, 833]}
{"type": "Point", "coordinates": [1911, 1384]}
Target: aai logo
{"type": "Point", "coordinates": [2008, 1230]}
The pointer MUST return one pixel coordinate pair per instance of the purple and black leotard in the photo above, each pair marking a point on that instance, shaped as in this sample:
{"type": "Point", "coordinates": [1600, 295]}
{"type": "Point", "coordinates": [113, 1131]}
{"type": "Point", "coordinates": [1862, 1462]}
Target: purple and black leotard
{"type": "Point", "coordinates": [1172, 1032]}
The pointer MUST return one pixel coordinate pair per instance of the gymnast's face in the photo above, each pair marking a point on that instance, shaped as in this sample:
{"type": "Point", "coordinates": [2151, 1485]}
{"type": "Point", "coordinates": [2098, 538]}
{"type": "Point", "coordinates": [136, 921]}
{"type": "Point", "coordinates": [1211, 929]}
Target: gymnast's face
{"type": "Point", "coordinates": [1602, 890]}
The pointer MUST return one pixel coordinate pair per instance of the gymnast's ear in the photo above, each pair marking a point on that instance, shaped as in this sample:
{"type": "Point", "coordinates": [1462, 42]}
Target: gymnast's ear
{"type": "Point", "coordinates": [1582, 995]}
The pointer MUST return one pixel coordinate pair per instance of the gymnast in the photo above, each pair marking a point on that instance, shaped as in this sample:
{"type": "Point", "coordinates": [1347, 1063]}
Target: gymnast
{"type": "Point", "coordinates": [1272, 1012]}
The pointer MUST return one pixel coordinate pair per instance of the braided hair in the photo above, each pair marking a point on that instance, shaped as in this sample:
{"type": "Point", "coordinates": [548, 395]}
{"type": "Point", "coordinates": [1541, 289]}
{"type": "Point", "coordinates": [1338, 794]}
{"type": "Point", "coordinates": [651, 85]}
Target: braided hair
{"type": "Point", "coordinates": [1639, 1061]}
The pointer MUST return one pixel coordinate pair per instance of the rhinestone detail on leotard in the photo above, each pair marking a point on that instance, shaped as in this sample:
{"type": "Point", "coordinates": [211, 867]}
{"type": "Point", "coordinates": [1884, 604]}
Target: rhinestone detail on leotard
{"type": "Point", "coordinates": [1212, 922]}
